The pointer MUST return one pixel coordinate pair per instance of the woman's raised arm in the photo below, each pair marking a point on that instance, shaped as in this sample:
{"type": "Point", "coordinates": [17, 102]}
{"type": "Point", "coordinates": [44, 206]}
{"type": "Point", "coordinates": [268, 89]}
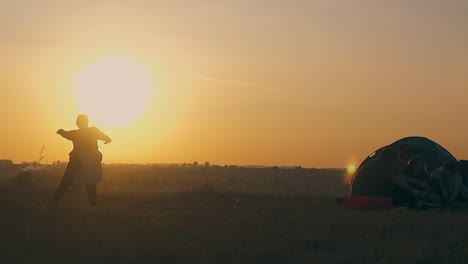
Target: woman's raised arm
{"type": "Point", "coordinates": [66, 134]}
{"type": "Point", "coordinates": [103, 137]}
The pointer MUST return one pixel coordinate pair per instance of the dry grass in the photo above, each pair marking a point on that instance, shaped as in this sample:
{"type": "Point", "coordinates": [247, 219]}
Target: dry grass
{"type": "Point", "coordinates": [213, 226]}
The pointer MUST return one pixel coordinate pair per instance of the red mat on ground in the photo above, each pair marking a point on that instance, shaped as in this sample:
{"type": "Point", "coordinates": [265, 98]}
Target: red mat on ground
{"type": "Point", "coordinates": [367, 202]}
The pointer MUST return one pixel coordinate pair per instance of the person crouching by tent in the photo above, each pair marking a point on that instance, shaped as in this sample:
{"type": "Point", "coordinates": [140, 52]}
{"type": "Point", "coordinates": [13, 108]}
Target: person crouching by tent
{"type": "Point", "coordinates": [416, 174]}
{"type": "Point", "coordinates": [84, 167]}
{"type": "Point", "coordinates": [448, 181]}
{"type": "Point", "coordinates": [383, 177]}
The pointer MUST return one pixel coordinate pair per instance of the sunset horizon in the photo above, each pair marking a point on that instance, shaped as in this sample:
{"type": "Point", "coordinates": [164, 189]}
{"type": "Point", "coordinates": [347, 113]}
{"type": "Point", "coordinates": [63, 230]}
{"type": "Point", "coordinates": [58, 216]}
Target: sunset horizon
{"type": "Point", "coordinates": [317, 84]}
{"type": "Point", "coordinates": [233, 131]}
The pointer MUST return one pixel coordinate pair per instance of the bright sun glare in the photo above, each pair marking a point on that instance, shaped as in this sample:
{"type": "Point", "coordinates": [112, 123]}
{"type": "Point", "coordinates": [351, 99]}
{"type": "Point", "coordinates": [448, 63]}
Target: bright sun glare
{"type": "Point", "coordinates": [351, 169]}
{"type": "Point", "coordinates": [114, 91]}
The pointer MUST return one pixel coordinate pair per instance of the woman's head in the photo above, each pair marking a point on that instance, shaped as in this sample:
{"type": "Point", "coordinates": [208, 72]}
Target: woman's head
{"type": "Point", "coordinates": [417, 165]}
{"type": "Point", "coordinates": [82, 121]}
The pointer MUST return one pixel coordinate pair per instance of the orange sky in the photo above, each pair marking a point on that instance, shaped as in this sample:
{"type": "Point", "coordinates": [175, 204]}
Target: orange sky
{"type": "Point", "coordinates": [312, 83]}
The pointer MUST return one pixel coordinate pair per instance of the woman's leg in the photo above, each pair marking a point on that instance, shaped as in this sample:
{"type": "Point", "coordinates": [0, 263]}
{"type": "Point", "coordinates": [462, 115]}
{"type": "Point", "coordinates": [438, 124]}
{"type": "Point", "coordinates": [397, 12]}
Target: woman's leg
{"type": "Point", "coordinates": [73, 167]}
{"type": "Point", "coordinates": [91, 189]}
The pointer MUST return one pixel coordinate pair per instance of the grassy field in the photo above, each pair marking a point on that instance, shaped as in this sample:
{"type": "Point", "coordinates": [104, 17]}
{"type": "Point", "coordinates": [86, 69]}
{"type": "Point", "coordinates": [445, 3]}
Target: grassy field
{"type": "Point", "coordinates": [205, 225]}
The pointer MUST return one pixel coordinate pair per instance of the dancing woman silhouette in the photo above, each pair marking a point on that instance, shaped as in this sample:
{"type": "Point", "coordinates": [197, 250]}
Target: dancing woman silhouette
{"type": "Point", "coordinates": [84, 167]}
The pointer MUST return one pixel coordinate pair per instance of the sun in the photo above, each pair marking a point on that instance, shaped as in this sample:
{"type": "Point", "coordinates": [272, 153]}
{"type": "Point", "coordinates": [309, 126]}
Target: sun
{"type": "Point", "coordinates": [114, 91]}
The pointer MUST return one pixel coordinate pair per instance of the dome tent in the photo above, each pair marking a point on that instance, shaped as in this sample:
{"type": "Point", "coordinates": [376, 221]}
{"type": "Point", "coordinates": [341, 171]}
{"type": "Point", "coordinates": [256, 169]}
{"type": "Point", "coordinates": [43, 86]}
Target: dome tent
{"type": "Point", "coordinates": [434, 154]}
{"type": "Point", "coordinates": [367, 182]}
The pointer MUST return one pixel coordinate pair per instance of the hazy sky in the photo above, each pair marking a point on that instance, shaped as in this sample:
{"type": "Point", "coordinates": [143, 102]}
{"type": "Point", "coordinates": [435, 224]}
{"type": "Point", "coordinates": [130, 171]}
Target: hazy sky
{"type": "Point", "coordinates": [313, 83]}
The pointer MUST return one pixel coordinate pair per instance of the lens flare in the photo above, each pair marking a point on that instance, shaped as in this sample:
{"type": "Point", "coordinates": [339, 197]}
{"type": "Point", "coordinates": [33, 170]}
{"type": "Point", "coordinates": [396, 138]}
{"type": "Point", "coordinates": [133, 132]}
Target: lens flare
{"type": "Point", "coordinates": [351, 169]}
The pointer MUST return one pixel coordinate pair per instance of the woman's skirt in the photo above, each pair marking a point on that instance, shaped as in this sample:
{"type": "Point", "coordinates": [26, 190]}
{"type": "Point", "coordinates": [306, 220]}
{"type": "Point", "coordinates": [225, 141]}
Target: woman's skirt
{"type": "Point", "coordinates": [89, 168]}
